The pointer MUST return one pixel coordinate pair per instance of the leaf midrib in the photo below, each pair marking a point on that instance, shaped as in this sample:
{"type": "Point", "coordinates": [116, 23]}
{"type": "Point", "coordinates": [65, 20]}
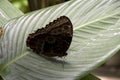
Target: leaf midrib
{"type": "Point", "coordinates": [13, 60]}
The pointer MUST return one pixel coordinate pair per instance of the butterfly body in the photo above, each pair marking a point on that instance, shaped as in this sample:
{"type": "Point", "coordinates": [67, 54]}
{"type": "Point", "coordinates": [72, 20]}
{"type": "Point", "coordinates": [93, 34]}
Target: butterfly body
{"type": "Point", "coordinates": [53, 40]}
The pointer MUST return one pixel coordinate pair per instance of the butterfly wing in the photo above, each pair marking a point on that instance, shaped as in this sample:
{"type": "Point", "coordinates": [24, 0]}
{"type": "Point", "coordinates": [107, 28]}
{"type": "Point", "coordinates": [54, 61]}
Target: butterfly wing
{"type": "Point", "coordinates": [61, 32]}
{"type": "Point", "coordinates": [62, 25]}
{"type": "Point", "coordinates": [54, 39]}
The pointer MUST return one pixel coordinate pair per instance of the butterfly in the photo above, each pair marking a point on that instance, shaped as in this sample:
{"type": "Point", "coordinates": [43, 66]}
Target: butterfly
{"type": "Point", "coordinates": [52, 40]}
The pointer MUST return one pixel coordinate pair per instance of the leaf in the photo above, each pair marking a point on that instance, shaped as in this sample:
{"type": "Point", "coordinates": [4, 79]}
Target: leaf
{"type": "Point", "coordinates": [96, 38]}
{"type": "Point", "coordinates": [1, 78]}
{"type": "Point", "coordinates": [7, 12]}
{"type": "Point", "coordinates": [90, 77]}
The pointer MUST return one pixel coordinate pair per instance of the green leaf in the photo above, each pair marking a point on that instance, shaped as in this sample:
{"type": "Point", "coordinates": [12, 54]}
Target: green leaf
{"type": "Point", "coordinates": [96, 38]}
{"type": "Point", "coordinates": [7, 12]}
{"type": "Point", "coordinates": [90, 77]}
{"type": "Point", "coordinates": [1, 78]}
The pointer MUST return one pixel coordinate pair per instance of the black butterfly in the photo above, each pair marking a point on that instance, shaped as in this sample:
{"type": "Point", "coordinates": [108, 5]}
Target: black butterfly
{"type": "Point", "coordinates": [54, 39]}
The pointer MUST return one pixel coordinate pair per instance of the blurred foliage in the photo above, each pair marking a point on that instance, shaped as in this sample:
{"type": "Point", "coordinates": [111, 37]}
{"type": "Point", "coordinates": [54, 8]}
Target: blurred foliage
{"type": "Point", "coordinates": [30, 5]}
{"type": "Point", "coordinates": [1, 78]}
{"type": "Point", "coordinates": [38, 4]}
{"type": "Point", "coordinates": [53, 2]}
{"type": "Point", "coordinates": [21, 4]}
{"type": "Point", "coordinates": [90, 77]}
